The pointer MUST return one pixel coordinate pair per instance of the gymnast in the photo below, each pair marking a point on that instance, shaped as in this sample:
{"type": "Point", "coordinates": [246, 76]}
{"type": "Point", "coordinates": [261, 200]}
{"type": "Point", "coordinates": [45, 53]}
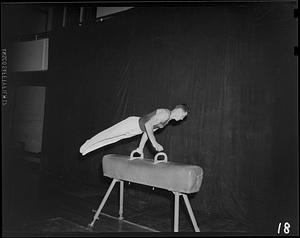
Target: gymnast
{"type": "Point", "coordinates": [133, 126]}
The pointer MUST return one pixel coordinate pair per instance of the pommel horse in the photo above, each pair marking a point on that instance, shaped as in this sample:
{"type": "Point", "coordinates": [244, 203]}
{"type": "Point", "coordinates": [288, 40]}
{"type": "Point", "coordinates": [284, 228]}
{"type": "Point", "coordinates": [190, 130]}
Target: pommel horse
{"type": "Point", "coordinates": [181, 179]}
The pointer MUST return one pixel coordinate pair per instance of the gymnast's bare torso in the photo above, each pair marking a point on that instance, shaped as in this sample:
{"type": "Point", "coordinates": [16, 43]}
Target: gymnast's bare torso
{"type": "Point", "coordinates": [133, 126]}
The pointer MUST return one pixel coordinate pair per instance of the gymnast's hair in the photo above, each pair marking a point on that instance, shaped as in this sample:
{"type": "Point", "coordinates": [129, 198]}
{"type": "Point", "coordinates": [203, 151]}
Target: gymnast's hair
{"type": "Point", "coordinates": [183, 106]}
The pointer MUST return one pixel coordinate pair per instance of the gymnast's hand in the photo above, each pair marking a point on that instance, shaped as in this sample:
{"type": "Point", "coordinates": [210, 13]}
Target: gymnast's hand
{"type": "Point", "coordinates": [158, 147]}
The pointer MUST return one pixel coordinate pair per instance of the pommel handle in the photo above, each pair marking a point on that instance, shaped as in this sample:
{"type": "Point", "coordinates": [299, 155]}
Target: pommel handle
{"type": "Point", "coordinates": [159, 161]}
{"type": "Point", "coordinates": [136, 151]}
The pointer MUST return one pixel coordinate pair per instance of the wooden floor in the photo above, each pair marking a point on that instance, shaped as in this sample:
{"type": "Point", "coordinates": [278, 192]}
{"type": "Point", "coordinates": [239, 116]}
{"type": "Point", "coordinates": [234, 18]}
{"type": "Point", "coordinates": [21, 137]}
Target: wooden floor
{"type": "Point", "coordinates": [43, 206]}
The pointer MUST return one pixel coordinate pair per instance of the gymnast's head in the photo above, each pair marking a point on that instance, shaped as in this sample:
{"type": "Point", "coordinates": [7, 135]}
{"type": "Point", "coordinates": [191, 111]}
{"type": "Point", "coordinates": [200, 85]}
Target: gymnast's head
{"type": "Point", "coordinates": [179, 112]}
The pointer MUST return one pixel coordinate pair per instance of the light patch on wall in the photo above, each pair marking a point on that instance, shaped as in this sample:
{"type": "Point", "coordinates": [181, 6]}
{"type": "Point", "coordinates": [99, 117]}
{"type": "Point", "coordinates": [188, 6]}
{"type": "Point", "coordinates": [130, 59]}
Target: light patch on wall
{"type": "Point", "coordinates": [104, 11]}
{"type": "Point", "coordinates": [30, 55]}
{"type": "Point", "coordinates": [29, 117]}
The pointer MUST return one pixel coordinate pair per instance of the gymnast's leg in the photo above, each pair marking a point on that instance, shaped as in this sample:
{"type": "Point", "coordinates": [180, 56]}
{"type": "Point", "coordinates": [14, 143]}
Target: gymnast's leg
{"type": "Point", "coordinates": [109, 133]}
{"type": "Point", "coordinates": [124, 129]}
{"type": "Point", "coordinates": [103, 143]}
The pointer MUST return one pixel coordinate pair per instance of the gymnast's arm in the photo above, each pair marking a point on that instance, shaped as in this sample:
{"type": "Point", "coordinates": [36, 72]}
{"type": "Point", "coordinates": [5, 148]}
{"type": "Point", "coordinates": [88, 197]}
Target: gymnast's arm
{"type": "Point", "coordinates": [149, 130]}
{"type": "Point", "coordinates": [158, 118]}
{"type": "Point", "coordinates": [143, 142]}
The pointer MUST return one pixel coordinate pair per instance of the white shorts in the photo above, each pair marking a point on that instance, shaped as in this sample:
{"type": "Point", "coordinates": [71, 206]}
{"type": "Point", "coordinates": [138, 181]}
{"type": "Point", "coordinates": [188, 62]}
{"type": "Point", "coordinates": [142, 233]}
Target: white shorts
{"type": "Point", "coordinates": [127, 128]}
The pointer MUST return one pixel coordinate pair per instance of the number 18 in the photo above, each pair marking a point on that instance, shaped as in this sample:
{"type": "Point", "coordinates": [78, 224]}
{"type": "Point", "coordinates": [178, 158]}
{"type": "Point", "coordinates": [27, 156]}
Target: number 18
{"type": "Point", "coordinates": [286, 229]}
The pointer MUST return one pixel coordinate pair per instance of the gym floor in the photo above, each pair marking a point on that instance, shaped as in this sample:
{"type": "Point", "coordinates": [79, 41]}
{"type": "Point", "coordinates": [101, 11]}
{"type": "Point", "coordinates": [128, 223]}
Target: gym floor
{"type": "Point", "coordinates": [43, 205]}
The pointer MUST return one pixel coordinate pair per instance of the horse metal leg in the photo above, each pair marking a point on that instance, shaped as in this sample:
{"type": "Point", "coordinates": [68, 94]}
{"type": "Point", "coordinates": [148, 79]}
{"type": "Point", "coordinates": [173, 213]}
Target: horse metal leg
{"type": "Point", "coordinates": [121, 200]}
{"type": "Point", "coordinates": [189, 208]}
{"type": "Point", "coordinates": [176, 212]}
{"type": "Point", "coordinates": [96, 216]}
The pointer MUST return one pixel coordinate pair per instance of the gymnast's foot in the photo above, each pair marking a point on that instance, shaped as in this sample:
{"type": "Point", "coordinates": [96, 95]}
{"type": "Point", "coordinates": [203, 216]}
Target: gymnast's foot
{"type": "Point", "coordinates": [82, 147]}
{"type": "Point", "coordinates": [83, 153]}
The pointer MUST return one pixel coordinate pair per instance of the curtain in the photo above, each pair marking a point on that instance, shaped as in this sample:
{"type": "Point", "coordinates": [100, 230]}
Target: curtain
{"type": "Point", "coordinates": [232, 65]}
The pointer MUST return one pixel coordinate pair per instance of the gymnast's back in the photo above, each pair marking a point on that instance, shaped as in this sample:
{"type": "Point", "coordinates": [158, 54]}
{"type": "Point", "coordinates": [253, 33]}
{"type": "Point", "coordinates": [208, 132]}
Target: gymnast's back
{"type": "Point", "coordinates": [164, 114]}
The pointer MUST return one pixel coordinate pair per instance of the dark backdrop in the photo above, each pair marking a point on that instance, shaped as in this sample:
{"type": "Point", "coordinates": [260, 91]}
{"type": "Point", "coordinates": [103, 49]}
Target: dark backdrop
{"type": "Point", "coordinates": [233, 65]}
